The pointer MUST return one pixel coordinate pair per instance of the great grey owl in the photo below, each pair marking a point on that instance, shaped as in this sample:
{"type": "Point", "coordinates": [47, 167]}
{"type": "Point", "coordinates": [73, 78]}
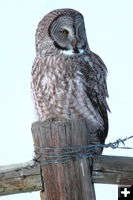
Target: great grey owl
{"type": "Point", "coordinates": [68, 79]}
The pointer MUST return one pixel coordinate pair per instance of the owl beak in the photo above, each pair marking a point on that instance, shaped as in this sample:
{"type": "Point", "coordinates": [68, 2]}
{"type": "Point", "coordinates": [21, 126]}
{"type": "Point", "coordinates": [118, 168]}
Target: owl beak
{"type": "Point", "coordinates": [74, 45]}
{"type": "Point", "coordinates": [74, 42]}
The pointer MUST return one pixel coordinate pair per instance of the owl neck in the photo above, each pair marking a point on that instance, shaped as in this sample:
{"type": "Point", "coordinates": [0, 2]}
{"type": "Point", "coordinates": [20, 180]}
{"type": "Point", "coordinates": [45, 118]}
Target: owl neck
{"type": "Point", "coordinates": [71, 52]}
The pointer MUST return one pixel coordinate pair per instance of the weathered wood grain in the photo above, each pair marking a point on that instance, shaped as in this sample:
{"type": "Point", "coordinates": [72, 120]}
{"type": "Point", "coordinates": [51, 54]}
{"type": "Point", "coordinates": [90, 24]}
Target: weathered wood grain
{"type": "Point", "coordinates": [113, 170]}
{"type": "Point", "coordinates": [76, 174]}
{"type": "Point", "coordinates": [26, 177]}
{"type": "Point", "coordinates": [19, 178]}
{"type": "Point", "coordinates": [67, 180]}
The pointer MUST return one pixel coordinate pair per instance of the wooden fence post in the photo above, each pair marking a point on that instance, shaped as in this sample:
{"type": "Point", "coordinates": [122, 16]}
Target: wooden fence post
{"type": "Point", "coordinates": [65, 180]}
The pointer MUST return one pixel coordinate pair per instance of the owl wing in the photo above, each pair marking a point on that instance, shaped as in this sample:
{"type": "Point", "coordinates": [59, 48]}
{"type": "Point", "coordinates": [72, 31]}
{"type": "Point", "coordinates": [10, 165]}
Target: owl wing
{"type": "Point", "coordinates": [97, 92]}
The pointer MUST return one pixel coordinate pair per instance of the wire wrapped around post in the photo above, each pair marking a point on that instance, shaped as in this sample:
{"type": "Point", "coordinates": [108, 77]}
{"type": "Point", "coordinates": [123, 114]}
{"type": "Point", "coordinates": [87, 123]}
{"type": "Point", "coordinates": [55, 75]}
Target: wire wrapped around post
{"type": "Point", "coordinates": [65, 176]}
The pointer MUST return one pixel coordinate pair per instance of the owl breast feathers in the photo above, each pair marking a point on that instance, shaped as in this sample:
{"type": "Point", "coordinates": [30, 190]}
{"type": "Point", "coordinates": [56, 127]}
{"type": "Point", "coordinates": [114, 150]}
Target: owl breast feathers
{"type": "Point", "coordinates": [68, 79]}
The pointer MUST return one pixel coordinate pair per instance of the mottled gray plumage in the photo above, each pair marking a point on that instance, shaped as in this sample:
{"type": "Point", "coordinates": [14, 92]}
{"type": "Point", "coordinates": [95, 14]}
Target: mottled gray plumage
{"type": "Point", "coordinates": [68, 79]}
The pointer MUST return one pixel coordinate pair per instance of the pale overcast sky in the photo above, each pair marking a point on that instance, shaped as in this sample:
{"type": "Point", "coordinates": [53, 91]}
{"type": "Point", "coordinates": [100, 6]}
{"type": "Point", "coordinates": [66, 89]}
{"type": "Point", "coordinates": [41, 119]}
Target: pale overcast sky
{"type": "Point", "coordinates": [109, 26]}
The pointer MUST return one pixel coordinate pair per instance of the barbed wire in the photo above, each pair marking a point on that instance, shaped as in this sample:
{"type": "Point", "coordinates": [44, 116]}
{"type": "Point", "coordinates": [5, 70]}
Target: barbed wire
{"type": "Point", "coordinates": [115, 145]}
{"type": "Point", "coordinates": [54, 155]}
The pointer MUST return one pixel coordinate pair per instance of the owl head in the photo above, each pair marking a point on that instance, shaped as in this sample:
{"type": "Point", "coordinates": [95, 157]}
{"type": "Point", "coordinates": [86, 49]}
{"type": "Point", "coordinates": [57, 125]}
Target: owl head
{"type": "Point", "coordinates": [61, 30]}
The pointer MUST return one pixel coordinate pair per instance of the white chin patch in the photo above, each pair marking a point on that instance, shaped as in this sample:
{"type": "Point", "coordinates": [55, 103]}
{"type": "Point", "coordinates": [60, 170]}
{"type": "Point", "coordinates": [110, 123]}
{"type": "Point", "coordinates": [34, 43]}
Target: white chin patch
{"type": "Point", "coordinates": [71, 52]}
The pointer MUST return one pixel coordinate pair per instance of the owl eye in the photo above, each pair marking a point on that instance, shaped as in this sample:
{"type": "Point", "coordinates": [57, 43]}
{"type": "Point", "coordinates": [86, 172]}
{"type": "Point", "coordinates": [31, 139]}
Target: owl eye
{"type": "Point", "coordinates": [64, 31]}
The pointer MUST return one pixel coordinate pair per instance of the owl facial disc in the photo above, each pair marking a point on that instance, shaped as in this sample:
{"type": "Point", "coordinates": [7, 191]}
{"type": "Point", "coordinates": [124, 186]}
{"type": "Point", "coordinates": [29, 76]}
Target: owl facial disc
{"type": "Point", "coordinates": [68, 34]}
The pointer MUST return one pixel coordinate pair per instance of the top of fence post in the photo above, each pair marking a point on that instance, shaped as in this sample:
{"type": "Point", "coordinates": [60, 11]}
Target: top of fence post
{"type": "Point", "coordinates": [68, 179]}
